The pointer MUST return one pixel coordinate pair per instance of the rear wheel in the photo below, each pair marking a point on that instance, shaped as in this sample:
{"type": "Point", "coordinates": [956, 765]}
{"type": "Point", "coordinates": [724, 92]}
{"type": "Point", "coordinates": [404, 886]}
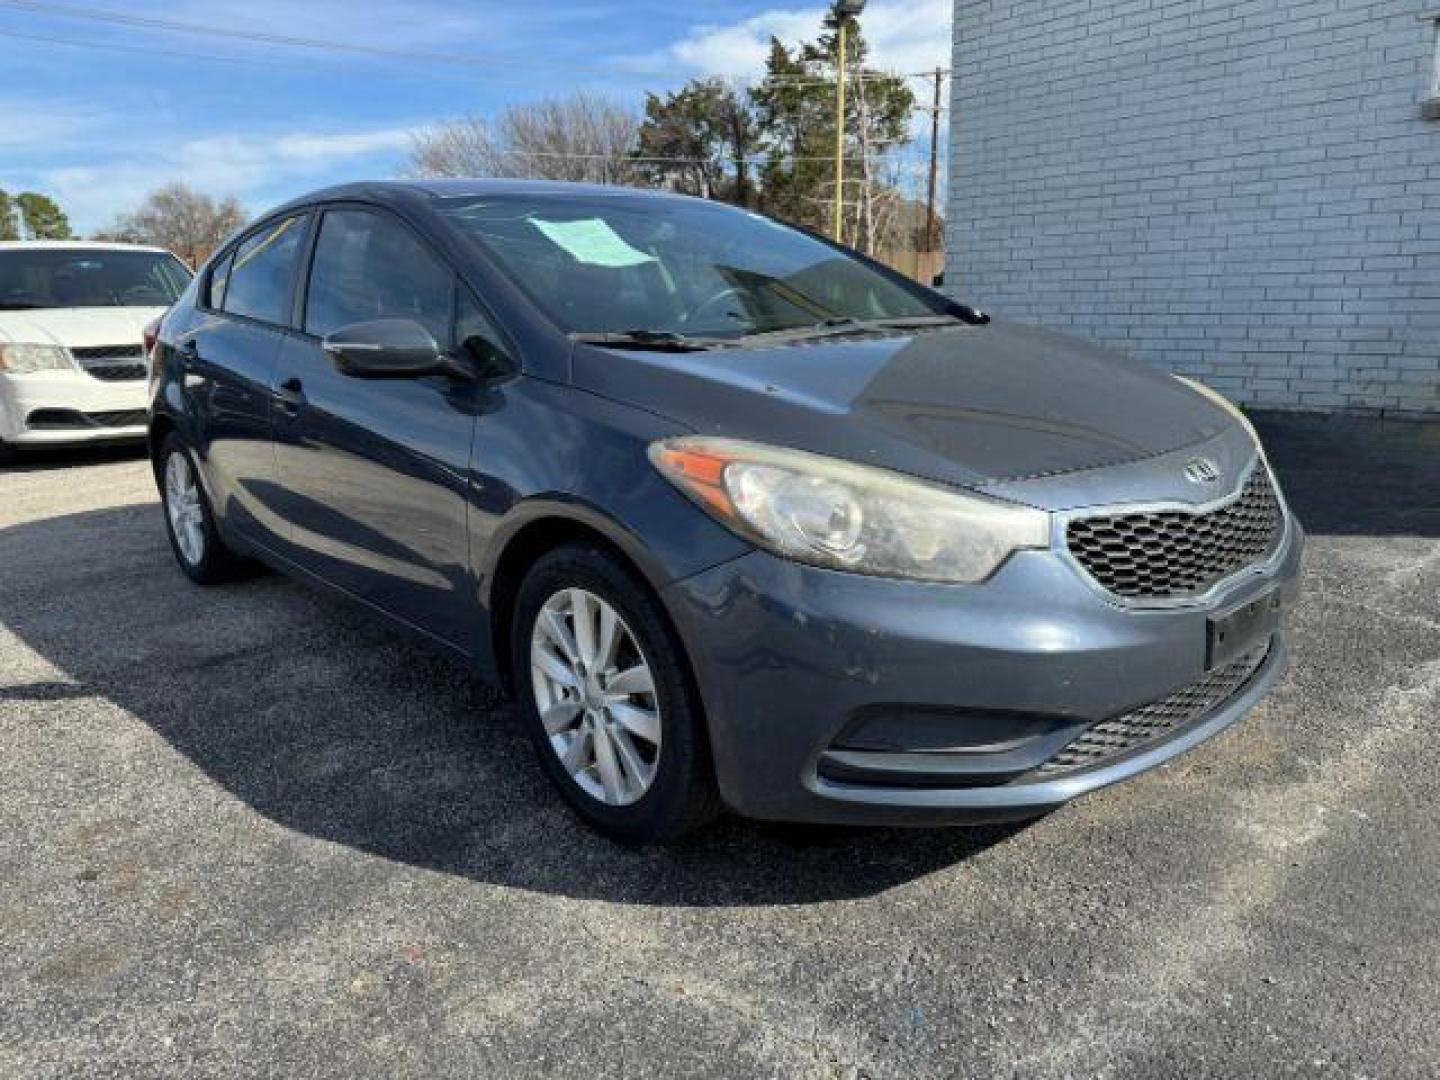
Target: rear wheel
{"type": "Point", "coordinates": [189, 521]}
{"type": "Point", "coordinates": [606, 698]}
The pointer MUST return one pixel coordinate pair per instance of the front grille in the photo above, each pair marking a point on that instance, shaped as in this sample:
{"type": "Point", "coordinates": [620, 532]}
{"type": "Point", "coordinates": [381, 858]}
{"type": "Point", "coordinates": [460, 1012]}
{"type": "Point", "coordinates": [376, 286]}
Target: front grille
{"type": "Point", "coordinates": [1111, 738]}
{"type": "Point", "coordinates": [108, 352]}
{"type": "Point", "coordinates": [116, 372]}
{"type": "Point", "coordinates": [1167, 554]}
{"type": "Point", "coordinates": [112, 363]}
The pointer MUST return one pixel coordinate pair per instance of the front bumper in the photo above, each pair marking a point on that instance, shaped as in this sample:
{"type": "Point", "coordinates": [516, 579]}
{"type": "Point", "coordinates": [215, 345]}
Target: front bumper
{"type": "Point", "coordinates": [62, 407]}
{"type": "Point", "coordinates": [787, 657]}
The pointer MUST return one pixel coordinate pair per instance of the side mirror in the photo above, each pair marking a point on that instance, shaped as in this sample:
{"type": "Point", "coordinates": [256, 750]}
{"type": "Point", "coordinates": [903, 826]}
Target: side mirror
{"type": "Point", "coordinates": [389, 349]}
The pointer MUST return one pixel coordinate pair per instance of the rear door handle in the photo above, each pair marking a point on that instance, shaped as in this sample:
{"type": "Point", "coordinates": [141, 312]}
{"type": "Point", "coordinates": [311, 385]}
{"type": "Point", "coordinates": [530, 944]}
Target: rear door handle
{"type": "Point", "coordinates": [291, 394]}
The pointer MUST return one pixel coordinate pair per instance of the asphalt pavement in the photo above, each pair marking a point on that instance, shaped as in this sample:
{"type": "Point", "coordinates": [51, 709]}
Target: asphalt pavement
{"type": "Point", "coordinates": [252, 832]}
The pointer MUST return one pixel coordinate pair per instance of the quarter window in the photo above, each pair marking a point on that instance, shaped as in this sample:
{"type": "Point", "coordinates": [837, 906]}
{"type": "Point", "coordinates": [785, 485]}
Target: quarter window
{"type": "Point", "coordinates": [369, 266]}
{"type": "Point", "coordinates": [218, 277]}
{"type": "Point", "coordinates": [475, 336]}
{"type": "Point", "coordinates": [262, 273]}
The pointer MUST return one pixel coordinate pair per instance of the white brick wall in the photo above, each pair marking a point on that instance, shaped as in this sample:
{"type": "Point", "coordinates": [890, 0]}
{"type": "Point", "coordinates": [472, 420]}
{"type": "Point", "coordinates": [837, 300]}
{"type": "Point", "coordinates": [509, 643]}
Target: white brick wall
{"type": "Point", "coordinates": [1243, 190]}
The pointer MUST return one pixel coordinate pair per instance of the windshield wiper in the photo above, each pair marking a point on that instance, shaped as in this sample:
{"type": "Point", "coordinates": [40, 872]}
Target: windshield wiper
{"type": "Point", "coordinates": [916, 322]}
{"type": "Point", "coordinates": [839, 324]}
{"type": "Point", "coordinates": [658, 340]}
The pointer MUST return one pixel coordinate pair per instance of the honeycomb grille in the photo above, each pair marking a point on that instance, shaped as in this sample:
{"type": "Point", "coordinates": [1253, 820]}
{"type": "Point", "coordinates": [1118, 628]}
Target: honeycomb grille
{"type": "Point", "coordinates": [1166, 554]}
{"type": "Point", "coordinates": [1111, 738]}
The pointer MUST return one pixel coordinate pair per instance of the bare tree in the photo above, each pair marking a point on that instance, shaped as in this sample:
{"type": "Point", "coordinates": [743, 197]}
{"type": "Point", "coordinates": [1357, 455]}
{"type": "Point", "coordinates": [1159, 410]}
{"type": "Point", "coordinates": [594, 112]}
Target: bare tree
{"type": "Point", "coordinates": [580, 137]}
{"type": "Point", "coordinates": [176, 217]}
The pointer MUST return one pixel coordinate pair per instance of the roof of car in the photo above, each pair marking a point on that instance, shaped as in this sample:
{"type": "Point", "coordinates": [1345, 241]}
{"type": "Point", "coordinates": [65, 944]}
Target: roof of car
{"type": "Point", "coordinates": [76, 245]}
{"type": "Point", "coordinates": [385, 190]}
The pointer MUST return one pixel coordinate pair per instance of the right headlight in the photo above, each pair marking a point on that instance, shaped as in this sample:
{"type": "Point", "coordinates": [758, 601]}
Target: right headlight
{"type": "Point", "coordinates": [845, 516]}
{"type": "Point", "coordinates": [23, 358]}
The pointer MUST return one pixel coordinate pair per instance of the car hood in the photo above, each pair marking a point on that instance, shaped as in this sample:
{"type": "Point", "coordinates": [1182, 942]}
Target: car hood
{"type": "Point", "coordinates": [77, 327]}
{"type": "Point", "coordinates": [972, 406]}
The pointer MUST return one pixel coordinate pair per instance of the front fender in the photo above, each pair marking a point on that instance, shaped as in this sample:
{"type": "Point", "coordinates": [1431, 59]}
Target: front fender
{"type": "Point", "coordinates": [594, 474]}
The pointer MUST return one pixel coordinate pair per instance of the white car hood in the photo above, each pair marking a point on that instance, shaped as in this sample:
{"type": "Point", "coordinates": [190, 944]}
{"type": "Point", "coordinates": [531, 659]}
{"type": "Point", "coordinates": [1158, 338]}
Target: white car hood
{"type": "Point", "coordinates": [77, 327]}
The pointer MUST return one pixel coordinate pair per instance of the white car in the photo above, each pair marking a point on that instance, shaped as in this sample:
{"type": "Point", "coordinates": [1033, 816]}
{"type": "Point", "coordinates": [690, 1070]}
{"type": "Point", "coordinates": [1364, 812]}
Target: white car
{"type": "Point", "coordinates": [72, 356]}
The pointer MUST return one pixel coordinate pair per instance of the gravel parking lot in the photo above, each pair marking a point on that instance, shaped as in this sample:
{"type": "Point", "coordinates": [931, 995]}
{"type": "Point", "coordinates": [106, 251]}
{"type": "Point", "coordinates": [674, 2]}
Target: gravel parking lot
{"type": "Point", "coordinates": [253, 832]}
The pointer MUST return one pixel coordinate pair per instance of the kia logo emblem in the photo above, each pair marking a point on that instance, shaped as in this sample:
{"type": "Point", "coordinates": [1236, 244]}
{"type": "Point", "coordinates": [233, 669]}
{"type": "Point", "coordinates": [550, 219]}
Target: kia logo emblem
{"type": "Point", "coordinates": [1202, 471]}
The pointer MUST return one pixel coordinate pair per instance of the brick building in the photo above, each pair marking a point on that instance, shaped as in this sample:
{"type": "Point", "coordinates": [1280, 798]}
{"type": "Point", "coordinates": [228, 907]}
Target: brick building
{"type": "Point", "coordinates": [1244, 190]}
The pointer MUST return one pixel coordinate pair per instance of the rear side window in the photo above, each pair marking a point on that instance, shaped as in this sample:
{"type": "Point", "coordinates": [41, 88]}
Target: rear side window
{"type": "Point", "coordinates": [262, 272]}
{"type": "Point", "coordinates": [369, 266]}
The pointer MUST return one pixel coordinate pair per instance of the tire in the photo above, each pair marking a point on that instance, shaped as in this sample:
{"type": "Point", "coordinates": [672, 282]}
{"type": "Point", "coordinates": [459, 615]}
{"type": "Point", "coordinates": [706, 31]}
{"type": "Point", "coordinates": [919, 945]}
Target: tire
{"type": "Point", "coordinates": [213, 562]}
{"type": "Point", "coordinates": [8, 454]}
{"type": "Point", "coordinates": [673, 790]}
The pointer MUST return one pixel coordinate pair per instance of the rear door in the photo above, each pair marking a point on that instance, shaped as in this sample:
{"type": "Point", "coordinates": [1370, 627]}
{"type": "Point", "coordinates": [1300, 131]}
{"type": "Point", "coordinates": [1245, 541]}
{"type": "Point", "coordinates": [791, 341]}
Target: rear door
{"type": "Point", "coordinates": [375, 470]}
{"type": "Point", "coordinates": [228, 359]}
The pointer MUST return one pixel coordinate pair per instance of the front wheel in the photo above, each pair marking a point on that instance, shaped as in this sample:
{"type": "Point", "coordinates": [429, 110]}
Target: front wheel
{"type": "Point", "coordinates": [607, 700]}
{"type": "Point", "coordinates": [189, 521]}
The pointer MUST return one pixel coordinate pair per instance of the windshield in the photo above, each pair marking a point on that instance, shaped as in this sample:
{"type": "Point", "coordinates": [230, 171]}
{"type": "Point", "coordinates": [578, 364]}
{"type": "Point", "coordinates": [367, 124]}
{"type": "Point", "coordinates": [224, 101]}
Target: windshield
{"type": "Point", "coordinates": [625, 263]}
{"type": "Point", "coordinates": [88, 277]}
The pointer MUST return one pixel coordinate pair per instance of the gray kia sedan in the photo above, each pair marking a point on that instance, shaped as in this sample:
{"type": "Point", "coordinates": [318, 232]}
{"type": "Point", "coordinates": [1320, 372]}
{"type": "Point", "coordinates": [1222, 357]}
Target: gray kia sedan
{"type": "Point", "coordinates": [740, 517]}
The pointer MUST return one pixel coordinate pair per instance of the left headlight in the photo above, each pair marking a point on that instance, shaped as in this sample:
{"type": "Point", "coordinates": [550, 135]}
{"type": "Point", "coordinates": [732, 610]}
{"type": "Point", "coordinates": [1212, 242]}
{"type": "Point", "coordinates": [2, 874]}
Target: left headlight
{"type": "Point", "coordinates": [22, 359]}
{"type": "Point", "coordinates": [844, 516]}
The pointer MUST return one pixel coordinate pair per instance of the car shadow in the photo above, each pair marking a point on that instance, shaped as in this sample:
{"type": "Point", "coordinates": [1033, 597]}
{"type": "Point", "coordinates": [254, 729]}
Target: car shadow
{"type": "Point", "coordinates": [326, 721]}
{"type": "Point", "coordinates": [329, 723]}
{"type": "Point", "coordinates": [43, 458]}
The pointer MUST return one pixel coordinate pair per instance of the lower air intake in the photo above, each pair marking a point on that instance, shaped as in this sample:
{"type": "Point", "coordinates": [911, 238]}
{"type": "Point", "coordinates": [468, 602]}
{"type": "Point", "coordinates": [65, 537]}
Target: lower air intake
{"type": "Point", "coordinates": [1123, 734]}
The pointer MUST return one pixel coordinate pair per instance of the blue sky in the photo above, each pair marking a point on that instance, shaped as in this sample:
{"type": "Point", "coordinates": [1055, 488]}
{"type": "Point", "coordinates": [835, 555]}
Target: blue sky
{"type": "Point", "coordinates": [96, 113]}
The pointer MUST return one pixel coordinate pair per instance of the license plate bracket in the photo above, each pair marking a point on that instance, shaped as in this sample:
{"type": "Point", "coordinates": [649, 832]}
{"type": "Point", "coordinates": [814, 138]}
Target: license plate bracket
{"type": "Point", "coordinates": [1233, 633]}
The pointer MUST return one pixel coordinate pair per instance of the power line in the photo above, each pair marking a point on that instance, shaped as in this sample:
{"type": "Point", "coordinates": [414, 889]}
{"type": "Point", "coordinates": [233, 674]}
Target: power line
{"type": "Point", "coordinates": [148, 50]}
{"type": "Point", "coordinates": [73, 11]}
{"type": "Point", "coordinates": [119, 18]}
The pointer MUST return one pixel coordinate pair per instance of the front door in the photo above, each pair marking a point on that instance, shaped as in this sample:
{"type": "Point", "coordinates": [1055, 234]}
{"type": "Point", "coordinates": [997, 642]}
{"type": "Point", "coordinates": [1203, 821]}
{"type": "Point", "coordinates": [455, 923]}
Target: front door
{"type": "Point", "coordinates": [228, 359]}
{"type": "Point", "coordinates": [374, 471]}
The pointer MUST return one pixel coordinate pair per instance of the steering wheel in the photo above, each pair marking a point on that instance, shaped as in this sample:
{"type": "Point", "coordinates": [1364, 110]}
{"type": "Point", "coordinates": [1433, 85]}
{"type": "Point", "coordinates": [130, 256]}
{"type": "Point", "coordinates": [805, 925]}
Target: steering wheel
{"type": "Point", "coordinates": [709, 302]}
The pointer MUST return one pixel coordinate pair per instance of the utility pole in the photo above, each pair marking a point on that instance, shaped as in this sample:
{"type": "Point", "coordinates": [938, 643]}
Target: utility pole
{"type": "Point", "coordinates": [840, 15]}
{"type": "Point", "coordinates": [931, 240]}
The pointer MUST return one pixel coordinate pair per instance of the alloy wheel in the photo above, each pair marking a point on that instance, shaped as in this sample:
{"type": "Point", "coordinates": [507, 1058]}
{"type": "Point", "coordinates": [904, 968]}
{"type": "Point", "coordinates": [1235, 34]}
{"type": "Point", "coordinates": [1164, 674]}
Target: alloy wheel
{"type": "Point", "coordinates": [595, 694]}
{"type": "Point", "coordinates": [183, 507]}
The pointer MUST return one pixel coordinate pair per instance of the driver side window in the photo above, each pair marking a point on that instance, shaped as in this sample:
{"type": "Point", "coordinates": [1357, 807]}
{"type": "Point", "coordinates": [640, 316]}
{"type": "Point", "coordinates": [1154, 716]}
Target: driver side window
{"type": "Point", "coordinates": [369, 266]}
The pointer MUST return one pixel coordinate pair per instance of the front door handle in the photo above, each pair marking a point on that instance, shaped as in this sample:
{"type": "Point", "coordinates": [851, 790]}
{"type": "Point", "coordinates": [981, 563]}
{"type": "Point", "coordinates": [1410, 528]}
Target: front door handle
{"type": "Point", "coordinates": [291, 394]}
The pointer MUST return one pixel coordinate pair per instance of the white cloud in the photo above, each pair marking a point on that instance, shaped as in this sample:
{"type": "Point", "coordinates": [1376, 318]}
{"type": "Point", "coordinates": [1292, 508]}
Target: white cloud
{"type": "Point", "coordinates": [904, 35]}
{"type": "Point", "coordinates": [259, 170]}
{"type": "Point", "coordinates": [27, 122]}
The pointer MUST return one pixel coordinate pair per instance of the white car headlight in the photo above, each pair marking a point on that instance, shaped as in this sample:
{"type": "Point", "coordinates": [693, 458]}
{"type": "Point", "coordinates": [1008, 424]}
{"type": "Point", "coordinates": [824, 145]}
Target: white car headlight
{"type": "Point", "coordinates": [21, 359]}
{"type": "Point", "coordinates": [836, 514]}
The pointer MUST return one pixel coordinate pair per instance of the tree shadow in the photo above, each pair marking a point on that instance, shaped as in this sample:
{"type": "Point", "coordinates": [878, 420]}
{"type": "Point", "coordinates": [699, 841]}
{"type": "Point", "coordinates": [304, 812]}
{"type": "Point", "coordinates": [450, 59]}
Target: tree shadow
{"type": "Point", "coordinates": [326, 721]}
